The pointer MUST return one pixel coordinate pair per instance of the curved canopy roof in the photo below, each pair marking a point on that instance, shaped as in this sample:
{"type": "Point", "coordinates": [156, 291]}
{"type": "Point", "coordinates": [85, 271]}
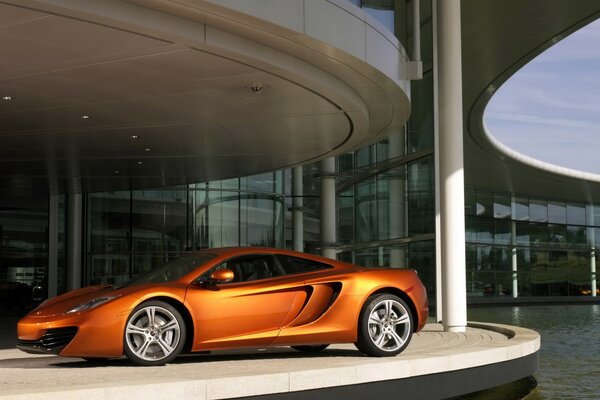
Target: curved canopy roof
{"type": "Point", "coordinates": [499, 37]}
{"type": "Point", "coordinates": [118, 94]}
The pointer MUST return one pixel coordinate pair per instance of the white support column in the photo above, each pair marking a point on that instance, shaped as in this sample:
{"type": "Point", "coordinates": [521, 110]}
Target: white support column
{"type": "Point", "coordinates": [297, 213]}
{"type": "Point", "coordinates": [513, 247]}
{"type": "Point", "coordinates": [439, 301]}
{"type": "Point", "coordinates": [74, 233]}
{"type": "Point", "coordinates": [52, 245]}
{"type": "Point", "coordinates": [397, 200]}
{"type": "Point", "coordinates": [328, 212]}
{"type": "Point", "coordinates": [452, 195]}
{"type": "Point", "coordinates": [514, 262]}
{"type": "Point", "coordinates": [591, 236]}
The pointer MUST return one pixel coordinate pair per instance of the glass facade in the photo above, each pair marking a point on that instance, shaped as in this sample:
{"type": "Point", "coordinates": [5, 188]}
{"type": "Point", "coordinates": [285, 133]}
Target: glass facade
{"type": "Point", "coordinates": [24, 252]}
{"type": "Point", "coordinates": [131, 232]}
{"type": "Point", "coordinates": [523, 246]}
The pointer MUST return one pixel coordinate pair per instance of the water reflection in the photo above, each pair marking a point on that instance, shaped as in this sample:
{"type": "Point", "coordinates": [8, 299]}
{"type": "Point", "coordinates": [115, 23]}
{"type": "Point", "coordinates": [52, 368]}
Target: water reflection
{"type": "Point", "coordinates": [569, 364]}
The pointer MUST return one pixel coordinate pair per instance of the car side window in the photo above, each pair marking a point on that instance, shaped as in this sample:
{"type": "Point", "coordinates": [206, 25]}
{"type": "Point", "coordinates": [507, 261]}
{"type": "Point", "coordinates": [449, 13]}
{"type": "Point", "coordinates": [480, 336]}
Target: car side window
{"type": "Point", "coordinates": [295, 265]}
{"type": "Point", "coordinates": [249, 268]}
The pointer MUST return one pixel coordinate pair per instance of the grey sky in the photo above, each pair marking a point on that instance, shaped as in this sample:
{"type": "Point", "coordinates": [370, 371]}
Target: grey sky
{"type": "Point", "coordinates": [550, 109]}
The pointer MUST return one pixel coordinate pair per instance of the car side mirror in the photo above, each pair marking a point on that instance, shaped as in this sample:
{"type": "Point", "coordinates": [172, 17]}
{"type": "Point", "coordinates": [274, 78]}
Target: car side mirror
{"type": "Point", "coordinates": [222, 276]}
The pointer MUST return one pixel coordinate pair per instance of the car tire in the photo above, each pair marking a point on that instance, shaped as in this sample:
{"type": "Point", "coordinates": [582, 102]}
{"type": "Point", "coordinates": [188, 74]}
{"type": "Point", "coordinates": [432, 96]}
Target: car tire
{"type": "Point", "coordinates": [310, 348]}
{"type": "Point", "coordinates": [154, 333]}
{"type": "Point", "coordinates": [385, 326]}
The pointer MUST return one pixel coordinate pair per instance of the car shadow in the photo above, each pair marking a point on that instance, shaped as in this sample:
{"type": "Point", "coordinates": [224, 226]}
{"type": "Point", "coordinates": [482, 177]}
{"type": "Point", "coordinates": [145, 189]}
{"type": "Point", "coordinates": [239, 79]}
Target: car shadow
{"type": "Point", "coordinates": [45, 362]}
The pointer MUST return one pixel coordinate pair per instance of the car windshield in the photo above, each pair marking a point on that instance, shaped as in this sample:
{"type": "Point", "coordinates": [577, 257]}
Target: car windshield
{"type": "Point", "coordinates": [171, 271]}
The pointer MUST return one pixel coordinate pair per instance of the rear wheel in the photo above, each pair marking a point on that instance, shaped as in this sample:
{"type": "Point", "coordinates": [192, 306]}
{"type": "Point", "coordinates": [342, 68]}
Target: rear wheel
{"type": "Point", "coordinates": [310, 348]}
{"type": "Point", "coordinates": [385, 326]}
{"type": "Point", "coordinates": [154, 333]}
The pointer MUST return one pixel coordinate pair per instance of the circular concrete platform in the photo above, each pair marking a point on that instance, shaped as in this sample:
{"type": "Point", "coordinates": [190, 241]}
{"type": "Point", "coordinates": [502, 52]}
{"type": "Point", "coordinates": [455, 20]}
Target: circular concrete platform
{"type": "Point", "coordinates": [437, 364]}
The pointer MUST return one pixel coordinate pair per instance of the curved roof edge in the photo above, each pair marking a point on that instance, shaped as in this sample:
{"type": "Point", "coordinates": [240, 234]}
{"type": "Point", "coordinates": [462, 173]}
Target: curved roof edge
{"type": "Point", "coordinates": [539, 164]}
{"type": "Point", "coordinates": [500, 37]}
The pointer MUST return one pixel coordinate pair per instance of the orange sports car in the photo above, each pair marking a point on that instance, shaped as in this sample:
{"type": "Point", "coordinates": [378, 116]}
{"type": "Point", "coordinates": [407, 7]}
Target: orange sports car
{"type": "Point", "coordinates": [232, 297]}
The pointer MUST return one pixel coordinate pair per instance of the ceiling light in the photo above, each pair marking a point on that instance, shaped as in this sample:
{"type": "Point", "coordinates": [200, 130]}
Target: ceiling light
{"type": "Point", "coordinates": [140, 163]}
{"type": "Point", "coordinates": [85, 117]}
{"type": "Point", "coordinates": [257, 87]}
{"type": "Point", "coordinates": [147, 149]}
{"type": "Point", "coordinates": [134, 136]}
{"type": "Point", "coordinates": [116, 171]}
{"type": "Point", "coordinates": [6, 98]}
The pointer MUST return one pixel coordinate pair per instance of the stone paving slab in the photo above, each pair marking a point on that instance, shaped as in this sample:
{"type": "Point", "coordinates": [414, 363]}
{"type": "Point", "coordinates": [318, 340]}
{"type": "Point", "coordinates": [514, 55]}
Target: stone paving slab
{"type": "Point", "coordinates": [226, 374]}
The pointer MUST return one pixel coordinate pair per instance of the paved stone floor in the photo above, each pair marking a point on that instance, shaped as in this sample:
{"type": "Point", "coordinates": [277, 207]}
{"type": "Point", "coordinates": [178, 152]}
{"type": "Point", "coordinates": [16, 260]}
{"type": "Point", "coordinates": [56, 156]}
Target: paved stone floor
{"type": "Point", "coordinates": [242, 373]}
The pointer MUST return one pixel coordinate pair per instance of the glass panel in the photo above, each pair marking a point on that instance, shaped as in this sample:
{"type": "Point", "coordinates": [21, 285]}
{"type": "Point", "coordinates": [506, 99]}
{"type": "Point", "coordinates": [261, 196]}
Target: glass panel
{"type": "Point", "coordinates": [503, 284]}
{"type": "Point", "coordinates": [23, 254]}
{"type": "Point", "coordinates": [346, 215]}
{"type": "Point", "coordinates": [109, 216]}
{"type": "Point", "coordinates": [523, 259]}
{"type": "Point", "coordinates": [421, 256]}
{"type": "Point", "coordinates": [502, 258]}
{"type": "Point", "coordinates": [421, 197]}
{"type": "Point", "coordinates": [256, 221]}
{"type": "Point", "coordinates": [521, 208]}
{"type": "Point", "coordinates": [524, 284]}
{"type": "Point", "coordinates": [366, 257]}
{"type": "Point", "coordinates": [471, 229]}
{"type": "Point", "coordinates": [382, 150]}
{"type": "Point", "coordinates": [109, 269]}
{"type": "Point", "coordinates": [485, 230]}
{"type": "Point", "coordinates": [480, 283]}
{"type": "Point", "coordinates": [484, 207]}
{"type": "Point", "coordinates": [159, 220]}
{"type": "Point", "coordinates": [366, 210]}
{"type": "Point", "coordinates": [261, 182]}
{"type": "Point", "coordinates": [365, 156]}
{"type": "Point", "coordinates": [345, 163]}
{"type": "Point", "coordinates": [595, 214]}
{"type": "Point", "coordinates": [557, 212]}
{"type": "Point", "coordinates": [395, 207]}
{"type": "Point", "coordinates": [502, 207]}
{"type": "Point", "coordinates": [539, 234]}
{"type": "Point", "coordinates": [538, 210]}
{"type": "Point", "coordinates": [502, 232]}
{"type": "Point", "coordinates": [575, 214]}
{"type": "Point", "coordinates": [576, 236]}
{"type": "Point", "coordinates": [470, 202]}
{"type": "Point", "coordinates": [522, 233]}
{"type": "Point", "coordinates": [278, 222]}
{"type": "Point", "coordinates": [383, 208]}
{"type": "Point", "coordinates": [420, 123]}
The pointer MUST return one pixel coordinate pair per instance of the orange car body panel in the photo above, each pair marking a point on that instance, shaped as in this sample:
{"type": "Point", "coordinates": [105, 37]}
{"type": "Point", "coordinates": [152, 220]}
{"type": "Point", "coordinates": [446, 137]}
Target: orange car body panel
{"type": "Point", "coordinates": [308, 308]}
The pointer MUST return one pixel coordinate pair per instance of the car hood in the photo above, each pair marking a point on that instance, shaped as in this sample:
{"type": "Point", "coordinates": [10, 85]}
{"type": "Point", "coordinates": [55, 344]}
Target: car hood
{"type": "Point", "coordinates": [64, 302]}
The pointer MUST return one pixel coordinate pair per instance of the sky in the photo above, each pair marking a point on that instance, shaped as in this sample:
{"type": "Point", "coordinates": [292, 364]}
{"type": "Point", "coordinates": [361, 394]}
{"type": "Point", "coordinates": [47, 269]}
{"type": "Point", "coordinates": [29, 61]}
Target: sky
{"type": "Point", "coordinates": [550, 109]}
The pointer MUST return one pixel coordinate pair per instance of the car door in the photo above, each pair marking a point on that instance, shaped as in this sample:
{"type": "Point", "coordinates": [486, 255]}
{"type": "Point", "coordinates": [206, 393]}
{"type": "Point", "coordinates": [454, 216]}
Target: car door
{"type": "Point", "coordinates": [248, 311]}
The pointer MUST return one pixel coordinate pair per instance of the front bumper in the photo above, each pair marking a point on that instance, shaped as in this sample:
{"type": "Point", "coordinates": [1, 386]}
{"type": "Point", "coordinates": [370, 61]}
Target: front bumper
{"type": "Point", "coordinates": [53, 341]}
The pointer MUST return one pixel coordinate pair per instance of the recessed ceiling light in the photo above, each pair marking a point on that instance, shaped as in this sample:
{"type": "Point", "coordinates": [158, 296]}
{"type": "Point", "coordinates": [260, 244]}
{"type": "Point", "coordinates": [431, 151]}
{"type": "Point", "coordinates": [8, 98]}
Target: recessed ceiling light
{"type": "Point", "coordinates": [6, 98]}
{"type": "Point", "coordinates": [85, 117]}
{"type": "Point", "coordinates": [257, 87]}
{"type": "Point", "coordinates": [140, 163]}
{"type": "Point", "coordinates": [134, 136]}
{"type": "Point", "coordinates": [147, 149]}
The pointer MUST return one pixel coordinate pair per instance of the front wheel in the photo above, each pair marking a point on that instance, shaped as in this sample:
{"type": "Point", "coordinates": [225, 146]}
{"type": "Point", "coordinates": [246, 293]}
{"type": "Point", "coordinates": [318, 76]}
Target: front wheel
{"type": "Point", "coordinates": [385, 326]}
{"type": "Point", "coordinates": [154, 333]}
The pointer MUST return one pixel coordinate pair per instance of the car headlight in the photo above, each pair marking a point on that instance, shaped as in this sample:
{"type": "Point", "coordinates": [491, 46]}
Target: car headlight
{"type": "Point", "coordinates": [91, 303]}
